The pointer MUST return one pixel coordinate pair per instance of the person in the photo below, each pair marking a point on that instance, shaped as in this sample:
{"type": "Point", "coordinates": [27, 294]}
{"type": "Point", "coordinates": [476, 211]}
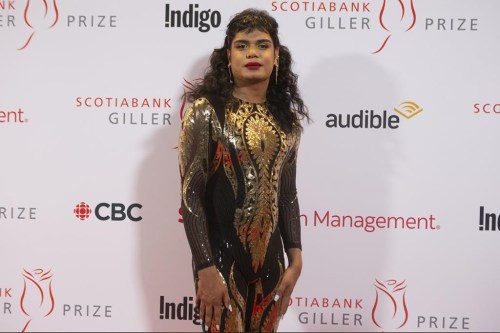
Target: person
{"type": "Point", "coordinates": [238, 149]}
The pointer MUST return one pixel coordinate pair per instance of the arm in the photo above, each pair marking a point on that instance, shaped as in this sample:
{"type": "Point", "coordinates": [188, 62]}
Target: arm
{"type": "Point", "coordinates": [194, 141]}
{"type": "Point", "coordinates": [194, 164]}
{"type": "Point", "coordinates": [289, 223]}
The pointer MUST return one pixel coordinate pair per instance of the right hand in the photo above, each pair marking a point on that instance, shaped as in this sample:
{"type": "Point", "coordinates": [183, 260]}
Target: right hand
{"type": "Point", "coordinates": [211, 295]}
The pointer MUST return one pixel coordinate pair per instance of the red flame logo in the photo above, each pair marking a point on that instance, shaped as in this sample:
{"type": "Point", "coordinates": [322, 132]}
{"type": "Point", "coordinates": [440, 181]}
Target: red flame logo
{"type": "Point", "coordinates": [37, 299]}
{"type": "Point", "coordinates": [410, 22]}
{"type": "Point", "coordinates": [49, 20]}
{"type": "Point", "coordinates": [390, 299]}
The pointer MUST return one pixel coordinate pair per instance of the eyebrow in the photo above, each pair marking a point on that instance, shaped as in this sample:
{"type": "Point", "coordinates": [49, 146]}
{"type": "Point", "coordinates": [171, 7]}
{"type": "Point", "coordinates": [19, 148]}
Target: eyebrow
{"type": "Point", "coordinates": [257, 41]}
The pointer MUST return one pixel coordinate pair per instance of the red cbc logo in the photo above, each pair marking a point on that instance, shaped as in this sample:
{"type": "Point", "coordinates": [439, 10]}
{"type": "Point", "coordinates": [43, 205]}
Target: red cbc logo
{"type": "Point", "coordinates": [389, 310]}
{"type": "Point", "coordinates": [82, 211]}
{"type": "Point", "coordinates": [37, 299]}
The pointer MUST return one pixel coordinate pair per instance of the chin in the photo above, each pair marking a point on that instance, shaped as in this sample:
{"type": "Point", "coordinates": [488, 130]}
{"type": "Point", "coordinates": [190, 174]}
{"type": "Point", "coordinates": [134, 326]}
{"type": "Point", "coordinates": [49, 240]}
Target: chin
{"type": "Point", "coordinates": [254, 79]}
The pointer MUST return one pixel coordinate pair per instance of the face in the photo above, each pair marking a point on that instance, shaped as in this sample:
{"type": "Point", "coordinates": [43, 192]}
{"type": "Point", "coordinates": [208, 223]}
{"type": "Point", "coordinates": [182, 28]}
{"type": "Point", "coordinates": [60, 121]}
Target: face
{"type": "Point", "coordinates": [252, 57]}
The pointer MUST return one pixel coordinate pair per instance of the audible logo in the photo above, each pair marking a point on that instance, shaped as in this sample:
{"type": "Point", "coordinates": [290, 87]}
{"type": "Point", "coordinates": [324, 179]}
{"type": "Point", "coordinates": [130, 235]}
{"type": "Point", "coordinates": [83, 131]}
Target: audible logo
{"type": "Point", "coordinates": [363, 119]}
{"type": "Point", "coordinates": [369, 119]}
{"type": "Point", "coordinates": [408, 109]}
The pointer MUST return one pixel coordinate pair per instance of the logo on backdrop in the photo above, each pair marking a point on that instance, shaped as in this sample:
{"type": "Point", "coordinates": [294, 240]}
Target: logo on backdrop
{"type": "Point", "coordinates": [368, 223]}
{"type": "Point", "coordinates": [408, 109]}
{"type": "Point", "coordinates": [82, 211]}
{"type": "Point", "coordinates": [339, 312]}
{"type": "Point", "coordinates": [5, 300]}
{"type": "Point", "coordinates": [370, 119]}
{"type": "Point", "coordinates": [37, 298]}
{"type": "Point", "coordinates": [488, 221]}
{"type": "Point", "coordinates": [394, 18]}
{"type": "Point", "coordinates": [17, 213]}
{"type": "Point", "coordinates": [35, 17]}
{"type": "Point", "coordinates": [407, 19]}
{"type": "Point", "coordinates": [12, 116]}
{"type": "Point", "coordinates": [36, 302]}
{"type": "Point", "coordinates": [488, 108]}
{"type": "Point", "coordinates": [389, 310]}
{"type": "Point", "coordinates": [184, 310]}
{"type": "Point", "coordinates": [109, 211]}
{"type": "Point", "coordinates": [139, 111]}
{"type": "Point", "coordinates": [192, 17]}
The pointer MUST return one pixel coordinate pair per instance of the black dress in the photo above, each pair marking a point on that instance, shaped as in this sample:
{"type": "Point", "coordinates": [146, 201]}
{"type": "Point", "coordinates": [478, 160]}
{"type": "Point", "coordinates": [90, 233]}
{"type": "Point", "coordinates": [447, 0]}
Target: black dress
{"type": "Point", "coordinates": [239, 203]}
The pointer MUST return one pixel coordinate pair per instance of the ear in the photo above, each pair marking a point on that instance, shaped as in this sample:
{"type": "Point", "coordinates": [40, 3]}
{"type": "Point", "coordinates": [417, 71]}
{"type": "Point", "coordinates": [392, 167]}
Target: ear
{"type": "Point", "coordinates": [276, 56]}
{"type": "Point", "coordinates": [229, 56]}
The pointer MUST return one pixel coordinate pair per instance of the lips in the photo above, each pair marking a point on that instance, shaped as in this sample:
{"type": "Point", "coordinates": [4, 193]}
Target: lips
{"type": "Point", "coordinates": [253, 65]}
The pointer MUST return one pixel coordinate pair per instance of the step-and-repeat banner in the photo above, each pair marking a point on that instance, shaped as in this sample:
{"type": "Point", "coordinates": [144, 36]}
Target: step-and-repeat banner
{"type": "Point", "coordinates": [398, 172]}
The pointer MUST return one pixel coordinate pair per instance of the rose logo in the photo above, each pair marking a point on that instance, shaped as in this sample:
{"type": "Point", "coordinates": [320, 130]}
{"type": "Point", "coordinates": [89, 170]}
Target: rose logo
{"type": "Point", "coordinates": [35, 21]}
{"type": "Point", "coordinates": [37, 300]}
{"type": "Point", "coordinates": [390, 310]}
{"type": "Point", "coordinates": [406, 20]}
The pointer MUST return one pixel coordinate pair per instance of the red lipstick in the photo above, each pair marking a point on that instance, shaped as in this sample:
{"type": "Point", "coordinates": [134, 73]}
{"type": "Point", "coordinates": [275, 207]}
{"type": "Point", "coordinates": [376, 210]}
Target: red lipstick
{"type": "Point", "coordinates": [253, 65]}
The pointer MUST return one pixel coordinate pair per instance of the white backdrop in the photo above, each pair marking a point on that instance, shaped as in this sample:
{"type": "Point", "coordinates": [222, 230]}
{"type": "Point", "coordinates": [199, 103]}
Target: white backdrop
{"type": "Point", "coordinates": [90, 104]}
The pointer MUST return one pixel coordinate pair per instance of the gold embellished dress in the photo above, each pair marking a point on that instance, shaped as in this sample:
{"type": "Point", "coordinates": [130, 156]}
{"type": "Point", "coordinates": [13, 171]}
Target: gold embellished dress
{"type": "Point", "coordinates": [239, 203]}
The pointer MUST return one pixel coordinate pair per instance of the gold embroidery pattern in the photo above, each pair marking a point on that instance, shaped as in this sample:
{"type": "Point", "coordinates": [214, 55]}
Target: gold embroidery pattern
{"type": "Point", "coordinates": [236, 318]}
{"type": "Point", "coordinates": [262, 148]}
{"type": "Point", "coordinates": [265, 311]}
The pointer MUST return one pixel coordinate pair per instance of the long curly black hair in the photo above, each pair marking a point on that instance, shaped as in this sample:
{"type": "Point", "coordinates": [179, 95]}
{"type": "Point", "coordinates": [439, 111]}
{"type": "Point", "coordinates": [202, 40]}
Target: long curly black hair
{"type": "Point", "coordinates": [282, 98]}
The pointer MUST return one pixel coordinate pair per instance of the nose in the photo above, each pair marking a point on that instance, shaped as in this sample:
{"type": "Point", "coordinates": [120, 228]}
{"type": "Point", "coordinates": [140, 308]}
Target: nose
{"type": "Point", "coordinates": [252, 52]}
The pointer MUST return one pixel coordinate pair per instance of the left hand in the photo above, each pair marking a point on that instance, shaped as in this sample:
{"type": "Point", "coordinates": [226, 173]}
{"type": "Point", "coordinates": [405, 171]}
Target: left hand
{"type": "Point", "coordinates": [290, 277]}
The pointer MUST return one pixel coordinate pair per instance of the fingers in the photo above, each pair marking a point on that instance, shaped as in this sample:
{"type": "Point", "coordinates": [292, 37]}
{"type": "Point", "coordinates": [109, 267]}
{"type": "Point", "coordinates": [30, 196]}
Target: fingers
{"type": "Point", "coordinates": [207, 318]}
{"type": "Point", "coordinates": [283, 295]}
{"type": "Point", "coordinates": [212, 314]}
{"type": "Point", "coordinates": [197, 304]}
{"type": "Point", "coordinates": [227, 301]}
{"type": "Point", "coordinates": [217, 316]}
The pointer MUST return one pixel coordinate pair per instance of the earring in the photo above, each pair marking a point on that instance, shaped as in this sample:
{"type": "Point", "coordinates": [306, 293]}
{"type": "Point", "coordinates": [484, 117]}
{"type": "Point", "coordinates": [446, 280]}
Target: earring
{"type": "Point", "coordinates": [277, 67]}
{"type": "Point", "coordinates": [229, 70]}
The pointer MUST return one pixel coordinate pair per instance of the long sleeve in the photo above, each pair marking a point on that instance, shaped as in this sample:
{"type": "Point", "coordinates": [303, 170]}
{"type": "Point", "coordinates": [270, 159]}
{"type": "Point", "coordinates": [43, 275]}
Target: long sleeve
{"type": "Point", "coordinates": [289, 213]}
{"type": "Point", "coordinates": [194, 150]}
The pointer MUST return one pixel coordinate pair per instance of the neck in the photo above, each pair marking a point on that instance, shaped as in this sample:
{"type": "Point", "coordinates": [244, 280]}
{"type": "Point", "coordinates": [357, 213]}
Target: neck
{"type": "Point", "coordinates": [254, 93]}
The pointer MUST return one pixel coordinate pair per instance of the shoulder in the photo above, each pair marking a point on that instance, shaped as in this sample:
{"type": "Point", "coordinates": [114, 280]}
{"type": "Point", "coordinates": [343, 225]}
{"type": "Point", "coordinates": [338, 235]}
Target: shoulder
{"type": "Point", "coordinates": [201, 104]}
{"type": "Point", "coordinates": [295, 136]}
{"type": "Point", "coordinates": [200, 109]}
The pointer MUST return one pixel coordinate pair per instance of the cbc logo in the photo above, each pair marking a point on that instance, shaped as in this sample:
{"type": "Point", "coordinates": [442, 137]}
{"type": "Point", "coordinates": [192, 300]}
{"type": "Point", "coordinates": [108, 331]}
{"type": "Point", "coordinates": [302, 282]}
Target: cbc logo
{"type": "Point", "coordinates": [109, 211]}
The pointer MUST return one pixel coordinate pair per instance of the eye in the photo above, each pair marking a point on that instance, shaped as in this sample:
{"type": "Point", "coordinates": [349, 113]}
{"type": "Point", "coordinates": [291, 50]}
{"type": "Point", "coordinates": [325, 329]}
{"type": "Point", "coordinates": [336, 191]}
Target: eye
{"type": "Point", "coordinates": [241, 46]}
{"type": "Point", "coordinates": [263, 46]}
